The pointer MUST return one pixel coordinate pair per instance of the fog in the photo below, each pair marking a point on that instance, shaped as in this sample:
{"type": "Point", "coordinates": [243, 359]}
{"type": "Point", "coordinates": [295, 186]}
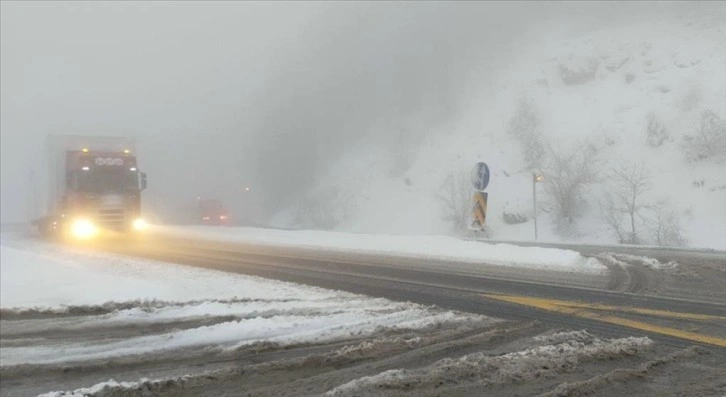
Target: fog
{"type": "Point", "coordinates": [226, 95]}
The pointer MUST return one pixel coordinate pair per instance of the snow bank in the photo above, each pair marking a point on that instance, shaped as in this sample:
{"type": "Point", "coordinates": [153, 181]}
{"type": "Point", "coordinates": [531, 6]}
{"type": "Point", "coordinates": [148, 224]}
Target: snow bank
{"type": "Point", "coordinates": [54, 277]}
{"type": "Point", "coordinates": [219, 310]}
{"type": "Point", "coordinates": [426, 247]}
{"type": "Point", "coordinates": [110, 385]}
{"type": "Point", "coordinates": [508, 368]}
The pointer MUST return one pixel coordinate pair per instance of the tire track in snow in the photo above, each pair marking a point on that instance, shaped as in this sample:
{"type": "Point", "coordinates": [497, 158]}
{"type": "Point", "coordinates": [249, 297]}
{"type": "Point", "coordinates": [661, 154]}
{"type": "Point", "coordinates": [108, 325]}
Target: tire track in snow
{"type": "Point", "coordinates": [620, 375]}
{"type": "Point", "coordinates": [501, 359]}
{"type": "Point", "coordinates": [190, 366]}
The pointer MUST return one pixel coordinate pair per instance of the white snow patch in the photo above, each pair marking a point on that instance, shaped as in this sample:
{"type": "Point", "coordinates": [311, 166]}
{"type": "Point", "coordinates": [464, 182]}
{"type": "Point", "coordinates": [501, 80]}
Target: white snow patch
{"type": "Point", "coordinates": [46, 277]}
{"type": "Point", "coordinates": [649, 262]}
{"type": "Point", "coordinates": [97, 388]}
{"type": "Point", "coordinates": [429, 247]}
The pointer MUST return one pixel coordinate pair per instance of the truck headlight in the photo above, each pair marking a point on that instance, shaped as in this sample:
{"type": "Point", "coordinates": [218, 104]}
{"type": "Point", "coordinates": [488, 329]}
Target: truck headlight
{"type": "Point", "coordinates": [83, 229]}
{"type": "Point", "coordinates": [140, 225]}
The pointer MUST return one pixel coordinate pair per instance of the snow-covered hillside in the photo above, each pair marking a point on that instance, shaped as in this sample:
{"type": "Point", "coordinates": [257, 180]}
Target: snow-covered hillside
{"type": "Point", "coordinates": [597, 89]}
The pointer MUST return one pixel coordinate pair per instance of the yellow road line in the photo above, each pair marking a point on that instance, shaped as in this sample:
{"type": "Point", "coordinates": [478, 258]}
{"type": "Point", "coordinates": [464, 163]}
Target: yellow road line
{"type": "Point", "coordinates": [660, 313]}
{"type": "Point", "coordinates": [526, 300]}
{"type": "Point", "coordinates": [581, 310]}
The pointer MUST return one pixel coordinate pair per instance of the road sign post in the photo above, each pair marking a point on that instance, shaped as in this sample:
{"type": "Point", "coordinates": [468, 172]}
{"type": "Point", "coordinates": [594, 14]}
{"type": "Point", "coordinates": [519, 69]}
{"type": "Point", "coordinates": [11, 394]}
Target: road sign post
{"type": "Point", "coordinates": [480, 180]}
{"type": "Point", "coordinates": [535, 178]}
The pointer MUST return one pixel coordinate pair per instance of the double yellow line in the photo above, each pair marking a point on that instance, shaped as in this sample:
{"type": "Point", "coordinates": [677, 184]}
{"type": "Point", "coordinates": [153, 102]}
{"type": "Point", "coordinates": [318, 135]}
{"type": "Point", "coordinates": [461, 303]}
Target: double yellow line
{"type": "Point", "coordinates": [595, 312]}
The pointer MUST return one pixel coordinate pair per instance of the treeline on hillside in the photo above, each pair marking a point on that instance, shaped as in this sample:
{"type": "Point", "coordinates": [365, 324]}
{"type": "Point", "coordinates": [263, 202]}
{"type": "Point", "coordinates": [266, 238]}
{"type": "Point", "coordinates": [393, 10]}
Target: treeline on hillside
{"type": "Point", "coordinates": [628, 208]}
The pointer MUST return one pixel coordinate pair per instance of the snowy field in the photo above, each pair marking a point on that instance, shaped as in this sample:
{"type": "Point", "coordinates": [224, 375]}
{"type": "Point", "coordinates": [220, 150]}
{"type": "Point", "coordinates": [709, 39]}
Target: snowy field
{"type": "Point", "coordinates": [426, 247]}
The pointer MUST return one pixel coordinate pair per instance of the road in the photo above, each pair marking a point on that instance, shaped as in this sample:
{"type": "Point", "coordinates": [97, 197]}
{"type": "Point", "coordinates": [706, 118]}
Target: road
{"type": "Point", "coordinates": [488, 290]}
{"type": "Point", "coordinates": [633, 299]}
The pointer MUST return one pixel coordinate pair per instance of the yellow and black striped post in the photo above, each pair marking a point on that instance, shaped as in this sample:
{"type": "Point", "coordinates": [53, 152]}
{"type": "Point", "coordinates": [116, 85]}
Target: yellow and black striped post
{"type": "Point", "coordinates": [480, 209]}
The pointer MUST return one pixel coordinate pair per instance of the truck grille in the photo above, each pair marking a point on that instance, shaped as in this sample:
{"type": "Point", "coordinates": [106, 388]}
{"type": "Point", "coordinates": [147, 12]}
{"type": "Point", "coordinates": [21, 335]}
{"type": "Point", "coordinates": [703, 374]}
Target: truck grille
{"type": "Point", "coordinates": [112, 218]}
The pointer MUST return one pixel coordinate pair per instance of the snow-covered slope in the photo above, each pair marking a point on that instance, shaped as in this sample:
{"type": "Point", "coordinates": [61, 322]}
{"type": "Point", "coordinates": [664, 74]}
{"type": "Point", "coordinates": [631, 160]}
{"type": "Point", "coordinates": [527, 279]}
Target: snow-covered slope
{"type": "Point", "coordinates": [597, 87]}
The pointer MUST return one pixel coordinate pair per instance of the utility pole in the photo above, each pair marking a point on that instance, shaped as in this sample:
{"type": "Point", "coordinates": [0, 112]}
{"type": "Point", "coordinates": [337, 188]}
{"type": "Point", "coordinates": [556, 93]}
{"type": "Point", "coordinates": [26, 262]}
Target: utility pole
{"type": "Point", "coordinates": [535, 178]}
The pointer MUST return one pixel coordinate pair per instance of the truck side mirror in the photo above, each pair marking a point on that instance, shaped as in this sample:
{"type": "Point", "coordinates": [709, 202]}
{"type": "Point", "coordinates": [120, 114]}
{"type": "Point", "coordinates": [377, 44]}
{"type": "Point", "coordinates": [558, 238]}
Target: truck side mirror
{"type": "Point", "coordinates": [143, 180]}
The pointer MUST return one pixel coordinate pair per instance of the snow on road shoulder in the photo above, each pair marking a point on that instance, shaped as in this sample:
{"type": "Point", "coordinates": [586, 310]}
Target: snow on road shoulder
{"type": "Point", "coordinates": [180, 308]}
{"type": "Point", "coordinates": [47, 276]}
{"type": "Point", "coordinates": [429, 247]}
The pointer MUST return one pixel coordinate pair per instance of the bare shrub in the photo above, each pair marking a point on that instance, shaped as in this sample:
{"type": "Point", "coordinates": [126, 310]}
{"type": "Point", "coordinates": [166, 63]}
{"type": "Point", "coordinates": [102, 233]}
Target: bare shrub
{"type": "Point", "coordinates": [567, 176]}
{"type": "Point", "coordinates": [455, 196]}
{"type": "Point", "coordinates": [667, 230]}
{"type": "Point", "coordinates": [525, 128]}
{"type": "Point", "coordinates": [709, 140]}
{"type": "Point", "coordinates": [655, 133]}
{"type": "Point", "coordinates": [613, 217]}
{"type": "Point", "coordinates": [517, 211]}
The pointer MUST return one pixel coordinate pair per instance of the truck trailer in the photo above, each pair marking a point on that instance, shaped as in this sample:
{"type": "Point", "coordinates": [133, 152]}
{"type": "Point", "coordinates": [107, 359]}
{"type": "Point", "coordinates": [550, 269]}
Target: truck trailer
{"type": "Point", "coordinates": [94, 187]}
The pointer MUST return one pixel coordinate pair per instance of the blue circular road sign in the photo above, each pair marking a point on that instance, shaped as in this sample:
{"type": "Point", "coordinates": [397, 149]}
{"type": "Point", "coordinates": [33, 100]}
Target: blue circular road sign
{"type": "Point", "coordinates": [480, 176]}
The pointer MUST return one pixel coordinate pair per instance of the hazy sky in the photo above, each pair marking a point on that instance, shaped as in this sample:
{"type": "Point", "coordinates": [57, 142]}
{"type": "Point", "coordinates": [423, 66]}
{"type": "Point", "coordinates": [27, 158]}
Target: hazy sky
{"type": "Point", "coordinates": [222, 95]}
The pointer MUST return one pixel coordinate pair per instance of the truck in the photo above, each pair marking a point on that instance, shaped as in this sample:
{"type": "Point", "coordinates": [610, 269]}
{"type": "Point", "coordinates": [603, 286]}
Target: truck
{"type": "Point", "coordinates": [94, 187]}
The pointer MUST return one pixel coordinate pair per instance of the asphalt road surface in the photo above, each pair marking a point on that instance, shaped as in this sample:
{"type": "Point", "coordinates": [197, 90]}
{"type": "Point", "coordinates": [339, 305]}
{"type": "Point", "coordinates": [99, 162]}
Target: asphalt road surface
{"type": "Point", "coordinates": [630, 286]}
{"type": "Point", "coordinates": [638, 328]}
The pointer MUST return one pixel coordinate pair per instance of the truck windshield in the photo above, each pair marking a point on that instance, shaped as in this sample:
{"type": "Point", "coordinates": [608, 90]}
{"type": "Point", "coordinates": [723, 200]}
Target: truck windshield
{"type": "Point", "coordinates": [99, 181]}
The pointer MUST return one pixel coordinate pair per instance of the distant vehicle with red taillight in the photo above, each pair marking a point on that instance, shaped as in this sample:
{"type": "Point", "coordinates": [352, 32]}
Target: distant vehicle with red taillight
{"type": "Point", "coordinates": [213, 212]}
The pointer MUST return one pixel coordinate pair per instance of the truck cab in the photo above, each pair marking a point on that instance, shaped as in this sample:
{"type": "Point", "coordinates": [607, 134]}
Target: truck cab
{"type": "Point", "coordinates": [93, 191]}
{"type": "Point", "coordinates": [105, 188]}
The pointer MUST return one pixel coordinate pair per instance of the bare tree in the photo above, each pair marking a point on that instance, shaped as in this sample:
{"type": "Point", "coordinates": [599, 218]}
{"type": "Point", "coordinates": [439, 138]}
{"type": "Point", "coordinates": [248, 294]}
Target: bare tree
{"type": "Point", "coordinates": [667, 230]}
{"type": "Point", "coordinates": [455, 196]}
{"type": "Point", "coordinates": [567, 176]}
{"type": "Point", "coordinates": [630, 217]}
{"type": "Point", "coordinates": [631, 182]}
{"type": "Point", "coordinates": [613, 216]}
